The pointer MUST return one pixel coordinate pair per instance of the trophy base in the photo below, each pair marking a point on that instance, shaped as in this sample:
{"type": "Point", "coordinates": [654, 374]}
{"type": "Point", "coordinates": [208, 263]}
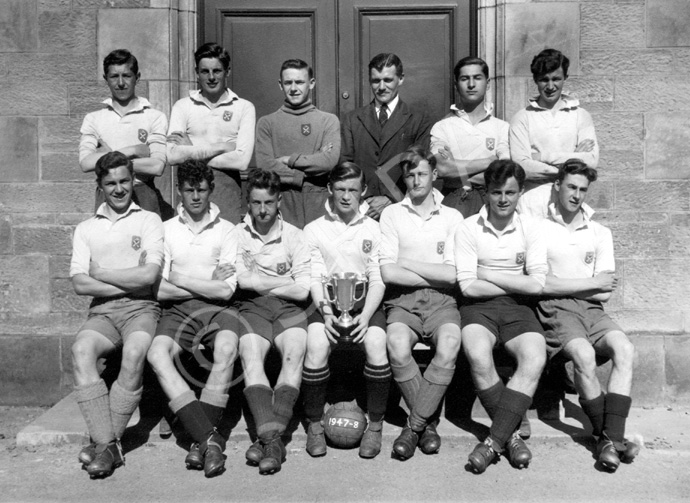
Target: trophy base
{"type": "Point", "coordinates": [345, 333]}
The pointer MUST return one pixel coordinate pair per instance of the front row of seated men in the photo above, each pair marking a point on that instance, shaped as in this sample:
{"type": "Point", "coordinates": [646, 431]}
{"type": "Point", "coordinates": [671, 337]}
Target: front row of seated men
{"type": "Point", "coordinates": [528, 285]}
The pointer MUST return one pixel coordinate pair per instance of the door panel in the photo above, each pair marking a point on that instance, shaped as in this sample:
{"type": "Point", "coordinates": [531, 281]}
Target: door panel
{"type": "Point", "coordinates": [261, 34]}
{"type": "Point", "coordinates": [429, 37]}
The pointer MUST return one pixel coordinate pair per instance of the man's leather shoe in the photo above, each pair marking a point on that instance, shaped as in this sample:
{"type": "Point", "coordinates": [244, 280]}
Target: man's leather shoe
{"type": "Point", "coordinates": [274, 456]}
{"type": "Point", "coordinates": [518, 453]}
{"type": "Point", "coordinates": [370, 446]}
{"type": "Point", "coordinates": [316, 439]}
{"type": "Point", "coordinates": [607, 454]}
{"type": "Point", "coordinates": [630, 453]}
{"type": "Point", "coordinates": [212, 450]}
{"type": "Point", "coordinates": [430, 441]}
{"type": "Point", "coordinates": [482, 456]}
{"type": "Point", "coordinates": [87, 454]}
{"type": "Point", "coordinates": [108, 457]}
{"type": "Point", "coordinates": [194, 459]}
{"type": "Point", "coordinates": [255, 453]}
{"type": "Point", "coordinates": [405, 444]}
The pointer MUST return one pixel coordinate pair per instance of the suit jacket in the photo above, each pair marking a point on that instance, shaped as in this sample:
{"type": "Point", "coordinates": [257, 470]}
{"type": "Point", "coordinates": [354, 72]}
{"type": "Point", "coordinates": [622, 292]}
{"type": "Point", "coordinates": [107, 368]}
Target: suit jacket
{"type": "Point", "coordinates": [365, 144]}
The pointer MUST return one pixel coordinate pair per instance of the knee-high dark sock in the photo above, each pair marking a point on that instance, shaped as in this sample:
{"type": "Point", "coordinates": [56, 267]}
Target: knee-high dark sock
{"type": "Point", "coordinates": [94, 404]}
{"type": "Point", "coordinates": [378, 379]}
{"type": "Point", "coordinates": [284, 398]}
{"type": "Point", "coordinates": [594, 409]}
{"type": "Point", "coordinates": [509, 412]}
{"type": "Point", "coordinates": [409, 379]}
{"type": "Point", "coordinates": [214, 404]}
{"type": "Point", "coordinates": [314, 388]}
{"type": "Point", "coordinates": [491, 397]}
{"type": "Point", "coordinates": [192, 416]}
{"type": "Point", "coordinates": [616, 409]}
{"type": "Point", "coordinates": [260, 401]}
{"type": "Point", "coordinates": [434, 385]}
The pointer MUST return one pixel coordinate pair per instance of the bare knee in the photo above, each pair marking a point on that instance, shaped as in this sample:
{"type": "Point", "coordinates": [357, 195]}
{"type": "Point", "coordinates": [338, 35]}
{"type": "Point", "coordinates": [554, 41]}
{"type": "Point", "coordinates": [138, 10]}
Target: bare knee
{"type": "Point", "coordinates": [225, 350]}
{"type": "Point", "coordinates": [624, 353]}
{"type": "Point", "coordinates": [584, 359]}
{"type": "Point", "coordinates": [399, 345]}
{"type": "Point", "coordinates": [447, 348]}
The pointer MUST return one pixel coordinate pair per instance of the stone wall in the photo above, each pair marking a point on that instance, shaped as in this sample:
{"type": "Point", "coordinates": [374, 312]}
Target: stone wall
{"type": "Point", "coordinates": [629, 67]}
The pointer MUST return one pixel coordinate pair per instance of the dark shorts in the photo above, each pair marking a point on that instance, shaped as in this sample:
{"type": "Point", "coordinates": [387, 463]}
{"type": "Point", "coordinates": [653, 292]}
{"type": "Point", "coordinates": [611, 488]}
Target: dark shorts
{"type": "Point", "coordinates": [270, 316]}
{"type": "Point", "coordinates": [117, 319]}
{"type": "Point", "coordinates": [505, 317]}
{"type": "Point", "coordinates": [196, 321]}
{"type": "Point", "coordinates": [424, 310]}
{"type": "Point", "coordinates": [566, 319]}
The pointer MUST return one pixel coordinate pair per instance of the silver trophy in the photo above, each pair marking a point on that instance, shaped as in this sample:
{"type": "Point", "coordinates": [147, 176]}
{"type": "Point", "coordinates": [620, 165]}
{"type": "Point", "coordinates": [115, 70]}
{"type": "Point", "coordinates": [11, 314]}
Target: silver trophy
{"type": "Point", "coordinates": [340, 289]}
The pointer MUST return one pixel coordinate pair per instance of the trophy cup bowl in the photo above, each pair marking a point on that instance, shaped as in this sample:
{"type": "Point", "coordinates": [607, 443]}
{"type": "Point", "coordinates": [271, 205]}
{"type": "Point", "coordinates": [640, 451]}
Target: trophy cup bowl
{"type": "Point", "coordinates": [340, 289]}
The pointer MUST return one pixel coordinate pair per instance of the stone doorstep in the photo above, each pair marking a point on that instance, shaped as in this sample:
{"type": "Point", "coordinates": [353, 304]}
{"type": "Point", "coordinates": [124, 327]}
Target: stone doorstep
{"type": "Point", "coordinates": [63, 423]}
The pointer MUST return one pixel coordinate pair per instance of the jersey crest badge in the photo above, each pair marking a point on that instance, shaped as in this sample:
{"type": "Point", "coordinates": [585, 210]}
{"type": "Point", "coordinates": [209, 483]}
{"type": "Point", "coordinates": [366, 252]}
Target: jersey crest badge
{"type": "Point", "coordinates": [227, 115]}
{"type": "Point", "coordinates": [366, 245]}
{"type": "Point", "coordinates": [136, 242]}
{"type": "Point", "coordinates": [520, 258]}
{"type": "Point", "coordinates": [440, 247]}
{"type": "Point", "coordinates": [306, 129]}
{"type": "Point", "coordinates": [143, 135]}
{"type": "Point", "coordinates": [589, 257]}
{"type": "Point", "coordinates": [490, 143]}
{"type": "Point", "coordinates": [281, 268]}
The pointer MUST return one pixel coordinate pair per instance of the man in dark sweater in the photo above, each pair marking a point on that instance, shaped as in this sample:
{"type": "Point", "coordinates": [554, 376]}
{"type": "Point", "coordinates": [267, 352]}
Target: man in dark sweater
{"type": "Point", "coordinates": [301, 144]}
{"type": "Point", "coordinates": [374, 135]}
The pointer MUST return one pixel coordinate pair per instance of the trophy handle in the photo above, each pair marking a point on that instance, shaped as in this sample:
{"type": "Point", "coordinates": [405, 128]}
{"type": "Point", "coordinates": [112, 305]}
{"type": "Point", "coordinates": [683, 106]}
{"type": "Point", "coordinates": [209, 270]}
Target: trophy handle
{"type": "Point", "coordinates": [330, 297]}
{"type": "Point", "coordinates": [362, 282]}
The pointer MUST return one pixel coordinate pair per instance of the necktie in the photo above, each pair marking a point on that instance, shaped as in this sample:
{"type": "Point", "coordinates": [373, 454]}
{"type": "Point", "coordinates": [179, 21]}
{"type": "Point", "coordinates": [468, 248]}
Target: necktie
{"type": "Point", "coordinates": [383, 115]}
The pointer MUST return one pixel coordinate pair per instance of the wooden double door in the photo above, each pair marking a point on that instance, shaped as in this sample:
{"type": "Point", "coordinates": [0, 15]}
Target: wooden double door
{"type": "Point", "coordinates": [338, 38]}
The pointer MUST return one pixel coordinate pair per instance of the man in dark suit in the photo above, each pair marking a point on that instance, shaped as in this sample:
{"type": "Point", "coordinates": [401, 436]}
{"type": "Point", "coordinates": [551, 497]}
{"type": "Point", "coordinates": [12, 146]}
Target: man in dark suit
{"type": "Point", "coordinates": [374, 135]}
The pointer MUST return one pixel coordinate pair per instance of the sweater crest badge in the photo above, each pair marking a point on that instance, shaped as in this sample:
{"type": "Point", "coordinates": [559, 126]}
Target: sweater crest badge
{"type": "Point", "coordinates": [227, 115]}
{"type": "Point", "coordinates": [306, 129]}
{"type": "Point", "coordinates": [366, 245]}
{"type": "Point", "coordinates": [589, 257]}
{"type": "Point", "coordinates": [440, 247]}
{"type": "Point", "coordinates": [520, 258]}
{"type": "Point", "coordinates": [281, 268]}
{"type": "Point", "coordinates": [143, 135]}
{"type": "Point", "coordinates": [136, 243]}
{"type": "Point", "coordinates": [490, 143]}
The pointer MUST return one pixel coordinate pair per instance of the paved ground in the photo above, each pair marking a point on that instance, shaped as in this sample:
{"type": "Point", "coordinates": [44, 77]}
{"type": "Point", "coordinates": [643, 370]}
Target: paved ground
{"type": "Point", "coordinates": [563, 469]}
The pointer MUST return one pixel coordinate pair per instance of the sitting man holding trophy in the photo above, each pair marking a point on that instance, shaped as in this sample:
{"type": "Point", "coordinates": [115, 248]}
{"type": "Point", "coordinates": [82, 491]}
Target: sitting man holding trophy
{"type": "Point", "coordinates": [418, 268]}
{"type": "Point", "coordinates": [344, 247]}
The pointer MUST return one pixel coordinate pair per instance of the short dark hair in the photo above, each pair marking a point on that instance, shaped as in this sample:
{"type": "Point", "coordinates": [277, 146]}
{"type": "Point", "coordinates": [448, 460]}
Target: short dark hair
{"type": "Point", "coordinates": [547, 61]}
{"type": "Point", "coordinates": [214, 51]}
{"type": "Point", "coordinates": [384, 59]}
{"type": "Point", "coordinates": [577, 167]}
{"type": "Point", "coordinates": [414, 155]}
{"type": "Point", "coordinates": [112, 160]}
{"type": "Point", "coordinates": [500, 170]}
{"type": "Point", "coordinates": [120, 57]}
{"type": "Point", "coordinates": [194, 171]}
{"type": "Point", "coordinates": [470, 60]}
{"type": "Point", "coordinates": [296, 64]}
{"type": "Point", "coordinates": [346, 171]}
{"type": "Point", "coordinates": [263, 179]}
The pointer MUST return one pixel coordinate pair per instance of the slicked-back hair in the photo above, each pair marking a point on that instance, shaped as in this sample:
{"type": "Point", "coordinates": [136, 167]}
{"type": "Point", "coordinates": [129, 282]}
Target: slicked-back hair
{"type": "Point", "coordinates": [384, 59]}
{"type": "Point", "coordinates": [112, 160]}
{"type": "Point", "coordinates": [500, 170]}
{"type": "Point", "coordinates": [577, 167]}
{"type": "Point", "coordinates": [194, 172]}
{"type": "Point", "coordinates": [212, 50]}
{"type": "Point", "coordinates": [262, 179]}
{"type": "Point", "coordinates": [346, 171]}
{"type": "Point", "coordinates": [547, 61]}
{"type": "Point", "coordinates": [470, 60]}
{"type": "Point", "coordinates": [296, 64]}
{"type": "Point", "coordinates": [120, 57]}
{"type": "Point", "coordinates": [413, 156]}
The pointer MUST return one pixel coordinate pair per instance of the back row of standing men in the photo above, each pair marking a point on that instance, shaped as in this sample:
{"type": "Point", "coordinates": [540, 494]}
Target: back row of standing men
{"type": "Point", "coordinates": [496, 256]}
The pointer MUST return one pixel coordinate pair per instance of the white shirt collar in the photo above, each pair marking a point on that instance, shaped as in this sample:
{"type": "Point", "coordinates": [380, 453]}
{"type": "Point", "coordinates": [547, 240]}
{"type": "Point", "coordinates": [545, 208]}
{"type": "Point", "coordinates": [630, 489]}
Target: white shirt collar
{"type": "Point", "coordinates": [391, 106]}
